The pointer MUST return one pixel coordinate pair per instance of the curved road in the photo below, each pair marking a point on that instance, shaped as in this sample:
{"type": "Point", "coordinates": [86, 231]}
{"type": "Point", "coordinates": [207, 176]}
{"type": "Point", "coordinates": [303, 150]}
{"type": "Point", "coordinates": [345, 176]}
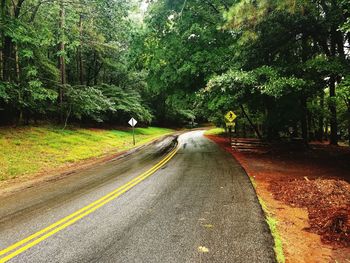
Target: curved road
{"type": "Point", "coordinates": [192, 204]}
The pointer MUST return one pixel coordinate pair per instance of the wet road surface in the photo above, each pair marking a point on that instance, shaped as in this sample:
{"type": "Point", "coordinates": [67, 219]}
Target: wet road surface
{"type": "Point", "coordinates": [197, 206]}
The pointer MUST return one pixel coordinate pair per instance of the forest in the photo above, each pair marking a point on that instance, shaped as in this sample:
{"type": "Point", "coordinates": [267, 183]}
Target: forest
{"type": "Point", "coordinates": [283, 66]}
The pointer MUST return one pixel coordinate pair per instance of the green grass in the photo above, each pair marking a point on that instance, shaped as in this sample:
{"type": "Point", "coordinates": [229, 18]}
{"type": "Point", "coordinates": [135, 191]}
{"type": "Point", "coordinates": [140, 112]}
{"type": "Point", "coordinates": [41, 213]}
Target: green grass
{"type": "Point", "coordinates": [215, 131]}
{"type": "Point", "coordinates": [272, 223]}
{"type": "Point", "coordinates": [26, 151]}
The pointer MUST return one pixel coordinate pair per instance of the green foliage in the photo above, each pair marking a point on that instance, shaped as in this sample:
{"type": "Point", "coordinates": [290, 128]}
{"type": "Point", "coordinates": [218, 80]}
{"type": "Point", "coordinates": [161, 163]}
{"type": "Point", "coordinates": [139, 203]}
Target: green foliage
{"type": "Point", "coordinates": [87, 102]}
{"type": "Point", "coordinates": [178, 110]}
{"type": "Point", "coordinates": [178, 61]}
{"type": "Point", "coordinates": [181, 47]}
{"type": "Point", "coordinates": [32, 97]}
{"type": "Point", "coordinates": [256, 89]}
{"type": "Point", "coordinates": [284, 66]}
{"type": "Point", "coordinates": [96, 50]}
{"type": "Point", "coordinates": [326, 66]}
{"type": "Point", "coordinates": [126, 102]}
{"type": "Point", "coordinates": [5, 90]}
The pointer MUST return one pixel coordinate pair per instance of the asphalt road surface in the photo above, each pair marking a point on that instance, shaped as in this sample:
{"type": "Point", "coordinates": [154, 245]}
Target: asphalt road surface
{"type": "Point", "coordinates": [190, 204]}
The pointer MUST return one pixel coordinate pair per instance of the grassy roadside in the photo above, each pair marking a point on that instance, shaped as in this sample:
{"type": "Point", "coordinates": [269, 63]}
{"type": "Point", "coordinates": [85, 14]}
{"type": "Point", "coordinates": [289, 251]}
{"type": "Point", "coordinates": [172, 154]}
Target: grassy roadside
{"type": "Point", "coordinates": [29, 150]}
{"type": "Point", "coordinates": [270, 220]}
{"type": "Point", "coordinates": [214, 131]}
{"type": "Point", "coordinates": [272, 223]}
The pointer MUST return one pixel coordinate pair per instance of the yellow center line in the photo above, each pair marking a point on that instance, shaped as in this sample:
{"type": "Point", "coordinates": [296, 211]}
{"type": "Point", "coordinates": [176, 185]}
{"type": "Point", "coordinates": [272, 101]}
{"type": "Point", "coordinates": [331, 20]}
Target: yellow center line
{"type": "Point", "coordinates": [2, 252]}
{"type": "Point", "coordinates": [72, 218]}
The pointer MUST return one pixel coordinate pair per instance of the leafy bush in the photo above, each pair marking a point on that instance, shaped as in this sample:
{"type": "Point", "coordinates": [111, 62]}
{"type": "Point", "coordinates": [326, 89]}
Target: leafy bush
{"type": "Point", "coordinates": [87, 102]}
{"type": "Point", "coordinates": [127, 103]}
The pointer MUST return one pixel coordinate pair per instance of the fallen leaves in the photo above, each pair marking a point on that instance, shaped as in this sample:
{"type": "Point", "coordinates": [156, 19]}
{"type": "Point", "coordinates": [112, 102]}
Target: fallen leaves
{"type": "Point", "coordinates": [328, 204]}
{"type": "Point", "coordinates": [202, 249]}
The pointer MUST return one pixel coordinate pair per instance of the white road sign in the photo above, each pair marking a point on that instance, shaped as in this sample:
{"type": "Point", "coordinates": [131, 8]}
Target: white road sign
{"type": "Point", "coordinates": [132, 122]}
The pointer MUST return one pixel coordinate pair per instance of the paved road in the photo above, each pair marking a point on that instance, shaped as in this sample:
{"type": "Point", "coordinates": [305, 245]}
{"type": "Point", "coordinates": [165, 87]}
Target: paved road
{"type": "Point", "coordinates": [198, 207]}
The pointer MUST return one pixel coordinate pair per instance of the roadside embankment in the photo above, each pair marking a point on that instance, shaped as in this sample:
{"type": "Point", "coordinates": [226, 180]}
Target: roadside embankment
{"type": "Point", "coordinates": [29, 152]}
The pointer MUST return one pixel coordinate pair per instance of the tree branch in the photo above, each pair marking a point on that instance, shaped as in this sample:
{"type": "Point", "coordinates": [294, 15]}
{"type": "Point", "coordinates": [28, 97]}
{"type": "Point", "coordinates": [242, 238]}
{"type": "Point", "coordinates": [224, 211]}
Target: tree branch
{"type": "Point", "coordinates": [18, 8]}
{"type": "Point", "coordinates": [227, 8]}
{"type": "Point", "coordinates": [213, 7]}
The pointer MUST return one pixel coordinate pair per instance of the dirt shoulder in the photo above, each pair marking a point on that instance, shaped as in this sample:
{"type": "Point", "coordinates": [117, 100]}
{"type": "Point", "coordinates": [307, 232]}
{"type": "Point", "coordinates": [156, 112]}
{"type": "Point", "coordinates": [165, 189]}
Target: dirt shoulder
{"type": "Point", "coordinates": [308, 192]}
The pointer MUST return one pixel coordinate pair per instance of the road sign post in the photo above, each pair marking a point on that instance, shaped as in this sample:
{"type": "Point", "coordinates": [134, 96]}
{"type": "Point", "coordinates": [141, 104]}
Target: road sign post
{"type": "Point", "coordinates": [132, 123]}
{"type": "Point", "coordinates": [229, 119]}
{"type": "Point", "coordinates": [230, 126]}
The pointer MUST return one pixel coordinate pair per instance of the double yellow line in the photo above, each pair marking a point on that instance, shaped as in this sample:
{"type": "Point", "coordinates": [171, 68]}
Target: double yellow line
{"type": "Point", "coordinates": [34, 239]}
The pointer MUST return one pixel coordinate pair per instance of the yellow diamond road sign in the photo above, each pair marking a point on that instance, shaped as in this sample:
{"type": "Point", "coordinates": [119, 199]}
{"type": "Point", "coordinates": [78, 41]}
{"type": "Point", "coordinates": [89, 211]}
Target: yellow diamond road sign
{"type": "Point", "coordinates": [230, 116]}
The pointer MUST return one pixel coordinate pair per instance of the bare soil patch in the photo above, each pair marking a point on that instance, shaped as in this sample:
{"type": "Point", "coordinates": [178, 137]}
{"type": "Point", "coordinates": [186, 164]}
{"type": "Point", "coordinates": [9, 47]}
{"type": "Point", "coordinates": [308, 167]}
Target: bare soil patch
{"type": "Point", "coordinates": [307, 190]}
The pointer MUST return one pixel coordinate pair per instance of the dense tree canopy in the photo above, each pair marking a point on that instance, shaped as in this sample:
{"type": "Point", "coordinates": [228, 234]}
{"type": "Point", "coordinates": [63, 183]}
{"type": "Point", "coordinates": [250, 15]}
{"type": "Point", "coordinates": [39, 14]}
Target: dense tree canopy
{"type": "Point", "coordinates": [283, 65]}
{"type": "Point", "coordinates": [55, 56]}
{"type": "Point", "coordinates": [306, 40]}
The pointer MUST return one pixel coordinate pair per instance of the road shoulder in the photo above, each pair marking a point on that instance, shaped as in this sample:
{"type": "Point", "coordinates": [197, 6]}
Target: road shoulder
{"type": "Point", "coordinates": [287, 186]}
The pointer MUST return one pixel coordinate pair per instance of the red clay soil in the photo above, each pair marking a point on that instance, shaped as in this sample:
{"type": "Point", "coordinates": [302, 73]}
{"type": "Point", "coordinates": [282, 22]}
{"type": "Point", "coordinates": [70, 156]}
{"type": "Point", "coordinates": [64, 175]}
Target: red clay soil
{"type": "Point", "coordinates": [308, 191]}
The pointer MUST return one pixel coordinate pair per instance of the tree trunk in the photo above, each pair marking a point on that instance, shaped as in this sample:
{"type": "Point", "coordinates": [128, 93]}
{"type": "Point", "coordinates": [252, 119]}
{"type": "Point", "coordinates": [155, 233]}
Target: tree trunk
{"type": "Point", "coordinates": [7, 57]}
{"type": "Point", "coordinates": [36, 9]}
{"type": "Point", "coordinates": [1, 65]}
{"type": "Point", "coordinates": [95, 68]}
{"type": "Point", "coordinates": [333, 111]}
{"type": "Point", "coordinates": [62, 59]}
{"type": "Point", "coordinates": [80, 58]}
{"type": "Point", "coordinates": [88, 78]}
{"type": "Point", "coordinates": [17, 64]}
{"type": "Point", "coordinates": [349, 123]}
{"type": "Point", "coordinates": [340, 44]}
{"type": "Point", "coordinates": [251, 123]}
{"type": "Point", "coordinates": [20, 108]}
{"type": "Point", "coordinates": [347, 103]}
{"type": "Point", "coordinates": [303, 97]}
{"type": "Point", "coordinates": [310, 125]}
{"type": "Point", "coordinates": [304, 116]}
{"type": "Point", "coordinates": [8, 46]}
{"type": "Point", "coordinates": [326, 131]}
{"type": "Point", "coordinates": [76, 78]}
{"type": "Point", "coordinates": [321, 119]}
{"type": "Point", "coordinates": [17, 8]}
{"type": "Point", "coordinates": [270, 130]}
{"type": "Point", "coordinates": [3, 15]}
{"type": "Point", "coordinates": [244, 132]}
{"type": "Point", "coordinates": [67, 117]}
{"type": "Point", "coordinates": [332, 79]}
{"type": "Point", "coordinates": [104, 75]}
